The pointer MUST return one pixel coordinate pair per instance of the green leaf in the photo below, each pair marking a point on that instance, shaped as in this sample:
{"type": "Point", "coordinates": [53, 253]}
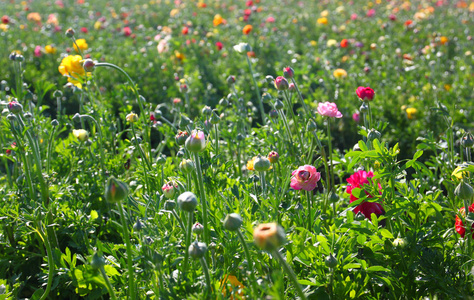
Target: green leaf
{"type": "Point", "coordinates": [352, 266]}
{"type": "Point", "coordinates": [417, 154]}
{"type": "Point", "coordinates": [307, 282]}
{"type": "Point", "coordinates": [386, 234]}
{"type": "Point", "coordinates": [377, 269]}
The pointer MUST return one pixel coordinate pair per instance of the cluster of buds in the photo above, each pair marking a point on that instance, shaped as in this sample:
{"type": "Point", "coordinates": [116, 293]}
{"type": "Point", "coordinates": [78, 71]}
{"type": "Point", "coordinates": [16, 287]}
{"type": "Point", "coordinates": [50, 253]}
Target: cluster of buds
{"type": "Point", "coordinates": [16, 57]}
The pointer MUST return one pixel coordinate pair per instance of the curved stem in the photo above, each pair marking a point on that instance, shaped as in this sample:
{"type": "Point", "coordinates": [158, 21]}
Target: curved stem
{"type": "Point", "coordinates": [188, 242]}
{"type": "Point", "coordinates": [290, 108]}
{"type": "Point", "coordinates": [249, 262]}
{"type": "Point", "coordinates": [309, 196]}
{"type": "Point", "coordinates": [50, 263]}
{"type": "Point", "coordinates": [205, 269]}
{"type": "Point", "coordinates": [99, 132]}
{"type": "Point", "coordinates": [108, 284]}
{"type": "Point", "coordinates": [131, 273]}
{"type": "Point", "coordinates": [257, 91]}
{"type": "Point", "coordinates": [290, 273]}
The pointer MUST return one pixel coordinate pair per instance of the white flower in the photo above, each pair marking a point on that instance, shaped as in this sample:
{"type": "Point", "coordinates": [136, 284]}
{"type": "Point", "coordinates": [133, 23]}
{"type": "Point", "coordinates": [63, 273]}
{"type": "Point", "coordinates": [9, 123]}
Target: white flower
{"type": "Point", "coordinates": [242, 48]}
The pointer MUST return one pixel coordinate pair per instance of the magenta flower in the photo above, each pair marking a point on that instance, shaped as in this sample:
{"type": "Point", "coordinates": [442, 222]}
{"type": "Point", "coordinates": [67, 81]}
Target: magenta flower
{"type": "Point", "coordinates": [305, 177]}
{"type": "Point", "coordinates": [365, 93]}
{"type": "Point", "coordinates": [358, 180]}
{"type": "Point", "coordinates": [329, 109]}
{"type": "Point", "coordinates": [356, 117]}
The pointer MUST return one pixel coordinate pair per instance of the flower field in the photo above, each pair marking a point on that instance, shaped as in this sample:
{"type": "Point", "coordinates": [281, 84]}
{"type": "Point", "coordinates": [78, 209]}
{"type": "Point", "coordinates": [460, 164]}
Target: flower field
{"type": "Point", "coordinates": [211, 149]}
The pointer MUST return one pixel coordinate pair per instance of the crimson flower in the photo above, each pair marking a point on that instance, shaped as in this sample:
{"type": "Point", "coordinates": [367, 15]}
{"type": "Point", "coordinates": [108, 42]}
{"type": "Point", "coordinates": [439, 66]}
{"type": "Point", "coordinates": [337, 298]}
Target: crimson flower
{"type": "Point", "coordinates": [358, 180]}
{"type": "Point", "coordinates": [459, 224]}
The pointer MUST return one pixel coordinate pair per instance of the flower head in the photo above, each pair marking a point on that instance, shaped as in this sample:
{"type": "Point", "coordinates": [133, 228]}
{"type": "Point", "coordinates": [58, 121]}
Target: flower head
{"type": "Point", "coordinates": [340, 73]}
{"type": "Point", "coordinates": [250, 163]}
{"type": "Point", "coordinates": [81, 134]}
{"type": "Point", "coordinates": [82, 44]}
{"type": "Point", "coordinates": [269, 236]}
{"type": "Point", "coordinates": [50, 49]}
{"type": "Point", "coordinates": [358, 180]}
{"type": "Point", "coordinates": [242, 48]}
{"type": "Point", "coordinates": [132, 117]}
{"type": "Point", "coordinates": [196, 142]}
{"type": "Point", "coordinates": [281, 83]}
{"type": "Point", "coordinates": [229, 283]}
{"type": "Point", "coordinates": [459, 225]}
{"type": "Point", "coordinates": [72, 67]}
{"type": "Point", "coordinates": [365, 93]}
{"type": "Point", "coordinates": [305, 177]}
{"type": "Point", "coordinates": [411, 112]}
{"type": "Point", "coordinates": [169, 189]}
{"type": "Point", "coordinates": [247, 29]}
{"type": "Point", "coordinates": [329, 109]}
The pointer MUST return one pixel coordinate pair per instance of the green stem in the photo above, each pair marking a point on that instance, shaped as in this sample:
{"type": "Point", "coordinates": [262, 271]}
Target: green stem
{"type": "Point", "coordinates": [307, 111]}
{"type": "Point", "coordinates": [205, 269]}
{"type": "Point", "coordinates": [50, 146]}
{"type": "Point", "coordinates": [50, 262]}
{"type": "Point", "coordinates": [217, 139]}
{"type": "Point", "coordinates": [257, 91]}
{"type": "Point", "coordinates": [309, 196]}
{"type": "Point", "coordinates": [331, 171]}
{"type": "Point", "coordinates": [173, 212]}
{"type": "Point", "coordinates": [99, 132]}
{"type": "Point", "coordinates": [108, 284]}
{"type": "Point", "coordinates": [203, 198]}
{"type": "Point", "coordinates": [295, 121]}
{"type": "Point", "coordinates": [285, 122]}
{"type": "Point", "coordinates": [188, 242]}
{"type": "Point", "coordinates": [144, 161]}
{"type": "Point", "coordinates": [131, 273]}
{"type": "Point", "coordinates": [249, 262]}
{"type": "Point", "coordinates": [290, 273]}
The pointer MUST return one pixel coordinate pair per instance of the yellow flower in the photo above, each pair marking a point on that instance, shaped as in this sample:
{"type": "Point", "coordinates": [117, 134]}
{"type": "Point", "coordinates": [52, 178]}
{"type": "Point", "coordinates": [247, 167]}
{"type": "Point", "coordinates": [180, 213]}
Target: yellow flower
{"type": "Point", "coordinates": [443, 40]}
{"type": "Point", "coordinates": [339, 73]}
{"type": "Point", "coordinates": [50, 49]}
{"type": "Point", "coordinates": [80, 134]}
{"type": "Point", "coordinates": [411, 112]}
{"type": "Point", "coordinates": [71, 66]}
{"type": "Point", "coordinates": [217, 20]}
{"type": "Point", "coordinates": [313, 43]}
{"type": "Point", "coordinates": [447, 87]}
{"type": "Point", "coordinates": [97, 25]}
{"type": "Point", "coordinates": [179, 55]}
{"type": "Point", "coordinates": [132, 118]}
{"type": "Point", "coordinates": [82, 44]}
{"type": "Point", "coordinates": [250, 164]}
{"type": "Point", "coordinates": [322, 20]}
{"type": "Point", "coordinates": [174, 12]}
{"type": "Point", "coordinates": [4, 27]}
{"type": "Point", "coordinates": [458, 173]}
{"type": "Point", "coordinates": [324, 13]}
{"type": "Point", "coordinates": [331, 43]}
{"type": "Point", "coordinates": [234, 282]}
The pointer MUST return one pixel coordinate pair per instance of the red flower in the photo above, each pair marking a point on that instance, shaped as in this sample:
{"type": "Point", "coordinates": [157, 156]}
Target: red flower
{"type": "Point", "coordinates": [185, 30]}
{"type": "Point", "coordinates": [84, 30]}
{"type": "Point", "coordinates": [459, 224]}
{"type": "Point", "coordinates": [127, 31]}
{"type": "Point", "coordinates": [219, 46]}
{"type": "Point", "coordinates": [344, 43]}
{"type": "Point", "coordinates": [358, 180]}
{"type": "Point", "coordinates": [249, 3]}
{"type": "Point", "coordinates": [5, 20]}
{"type": "Point", "coordinates": [365, 93]}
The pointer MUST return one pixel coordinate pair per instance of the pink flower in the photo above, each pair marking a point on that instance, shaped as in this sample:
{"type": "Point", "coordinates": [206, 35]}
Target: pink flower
{"type": "Point", "coordinates": [219, 46]}
{"type": "Point", "coordinates": [84, 30]}
{"type": "Point", "coordinates": [329, 109]}
{"type": "Point", "coordinates": [37, 51]}
{"type": "Point", "coordinates": [365, 93]}
{"type": "Point", "coordinates": [270, 20]}
{"type": "Point", "coordinates": [358, 180]}
{"type": "Point", "coordinates": [371, 12]}
{"type": "Point", "coordinates": [127, 31]}
{"type": "Point", "coordinates": [354, 17]}
{"type": "Point", "coordinates": [356, 117]}
{"type": "Point", "coordinates": [305, 177]}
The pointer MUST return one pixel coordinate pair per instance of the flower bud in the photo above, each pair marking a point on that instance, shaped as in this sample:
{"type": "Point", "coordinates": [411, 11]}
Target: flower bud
{"type": "Point", "coordinates": [292, 87]}
{"type": "Point", "coordinates": [184, 121]}
{"type": "Point", "coordinates": [57, 94]}
{"type": "Point", "coordinates": [170, 204]}
{"type": "Point", "coordinates": [197, 229]}
{"type": "Point", "coordinates": [206, 110]}
{"type": "Point", "coordinates": [15, 107]}
{"type": "Point", "coordinates": [273, 114]}
{"type": "Point", "coordinates": [27, 115]}
{"type": "Point", "coordinates": [187, 201]}
{"type": "Point", "coordinates": [464, 191]}
{"type": "Point", "coordinates": [115, 190]}
{"type": "Point", "coordinates": [12, 56]}
{"type": "Point", "coordinates": [278, 104]}
{"type": "Point", "coordinates": [266, 97]}
{"type": "Point", "coordinates": [214, 118]}
{"type": "Point", "coordinates": [467, 140]}
{"type": "Point", "coordinates": [330, 261]}
{"type": "Point", "coordinates": [169, 189]}
{"type": "Point", "coordinates": [132, 118]}
{"type": "Point", "coordinates": [89, 65]}
{"type": "Point", "coordinates": [181, 137]}
{"type": "Point", "coordinates": [70, 32]}
{"type": "Point", "coordinates": [373, 134]}
{"type": "Point", "coordinates": [81, 134]}
{"type": "Point", "coordinates": [54, 123]}
{"type": "Point", "coordinates": [97, 262]}
{"type": "Point", "coordinates": [138, 226]}
{"type": "Point", "coordinates": [288, 72]}
{"type": "Point", "coordinates": [196, 142]}
{"type": "Point", "coordinates": [273, 157]}
{"type": "Point", "coordinates": [224, 102]}
{"type": "Point", "coordinates": [158, 114]}
{"type": "Point", "coordinates": [269, 79]}
{"type": "Point", "coordinates": [183, 88]}
{"type": "Point", "coordinates": [281, 83]}
{"type": "Point", "coordinates": [261, 164]}
{"type": "Point", "coordinates": [232, 222]}
{"type": "Point", "coordinates": [186, 166]}
{"type": "Point", "coordinates": [231, 79]}
{"type": "Point", "coordinates": [11, 117]}
{"type": "Point", "coordinates": [161, 159]}
{"type": "Point", "coordinates": [197, 250]}
{"type": "Point", "coordinates": [240, 137]}
{"type": "Point", "coordinates": [333, 197]}
{"type": "Point", "coordinates": [269, 236]}
{"type": "Point", "coordinates": [19, 58]}
{"type": "Point", "coordinates": [364, 108]}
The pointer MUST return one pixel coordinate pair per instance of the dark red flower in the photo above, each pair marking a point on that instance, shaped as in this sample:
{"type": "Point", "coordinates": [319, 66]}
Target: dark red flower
{"type": "Point", "coordinates": [5, 19]}
{"type": "Point", "coordinates": [459, 224]}
{"type": "Point", "coordinates": [358, 180]}
{"type": "Point", "coordinates": [219, 46]}
{"type": "Point", "coordinates": [365, 93]}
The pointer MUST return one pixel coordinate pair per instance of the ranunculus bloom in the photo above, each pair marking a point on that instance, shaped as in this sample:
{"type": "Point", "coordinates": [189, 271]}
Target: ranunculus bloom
{"type": "Point", "coordinates": [219, 46]}
{"type": "Point", "coordinates": [218, 20]}
{"type": "Point", "coordinates": [5, 20]}
{"type": "Point", "coordinates": [305, 177]}
{"type": "Point", "coordinates": [329, 109]}
{"type": "Point", "coordinates": [127, 31]}
{"type": "Point", "coordinates": [37, 51]}
{"type": "Point", "coordinates": [356, 117]}
{"type": "Point", "coordinates": [459, 224]}
{"type": "Point", "coordinates": [365, 93]}
{"type": "Point", "coordinates": [82, 44]}
{"type": "Point", "coordinates": [371, 12]}
{"type": "Point", "coordinates": [358, 180]}
{"type": "Point", "coordinates": [71, 66]}
{"type": "Point", "coordinates": [247, 28]}
{"type": "Point", "coordinates": [340, 73]}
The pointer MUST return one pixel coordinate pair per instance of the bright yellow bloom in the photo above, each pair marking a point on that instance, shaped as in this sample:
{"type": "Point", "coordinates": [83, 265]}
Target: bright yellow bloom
{"type": "Point", "coordinates": [232, 280]}
{"type": "Point", "coordinates": [322, 20]}
{"type": "Point", "coordinates": [313, 43]}
{"type": "Point", "coordinates": [4, 27]}
{"type": "Point", "coordinates": [71, 66]}
{"type": "Point", "coordinates": [411, 112]}
{"type": "Point", "coordinates": [82, 44]}
{"type": "Point", "coordinates": [339, 73]}
{"type": "Point", "coordinates": [50, 49]}
{"type": "Point", "coordinates": [174, 12]}
{"type": "Point", "coordinates": [331, 43]}
{"type": "Point", "coordinates": [458, 173]}
{"type": "Point", "coordinates": [179, 55]}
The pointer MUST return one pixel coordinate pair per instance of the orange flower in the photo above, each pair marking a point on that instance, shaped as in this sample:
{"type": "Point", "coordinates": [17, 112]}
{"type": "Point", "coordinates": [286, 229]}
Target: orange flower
{"type": "Point", "coordinates": [247, 29]}
{"type": "Point", "coordinates": [235, 283]}
{"type": "Point", "coordinates": [250, 164]}
{"type": "Point", "coordinates": [443, 40]}
{"type": "Point", "coordinates": [251, 54]}
{"type": "Point", "coordinates": [322, 20]}
{"type": "Point", "coordinates": [217, 20]}
{"type": "Point", "coordinates": [344, 43]}
{"type": "Point", "coordinates": [34, 16]}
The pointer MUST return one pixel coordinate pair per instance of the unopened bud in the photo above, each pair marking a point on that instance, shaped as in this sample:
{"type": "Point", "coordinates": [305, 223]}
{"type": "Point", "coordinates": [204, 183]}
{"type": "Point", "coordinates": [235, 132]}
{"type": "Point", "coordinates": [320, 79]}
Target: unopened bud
{"type": "Point", "coordinates": [196, 142]}
{"type": "Point", "coordinates": [464, 191]}
{"type": "Point", "coordinates": [269, 236]}
{"type": "Point", "coordinates": [97, 262]}
{"type": "Point", "coordinates": [288, 72]}
{"type": "Point", "coordinates": [115, 190]}
{"type": "Point", "coordinates": [232, 222]}
{"type": "Point", "coordinates": [261, 164]}
{"type": "Point", "coordinates": [281, 83]}
{"type": "Point", "coordinates": [184, 121]}
{"type": "Point", "coordinates": [15, 107]}
{"type": "Point", "coordinates": [206, 110]}
{"type": "Point", "coordinates": [231, 79]}
{"type": "Point", "coordinates": [186, 166]}
{"type": "Point", "coordinates": [89, 65]}
{"type": "Point", "coordinates": [278, 104]}
{"type": "Point", "coordinates": [197, 250]}
{"type": "Point", "coordinates": [330, 261]}
{"type": "Point", "coordinates": [54, 123]}
{"type": "Point", "coordinates": [170, 204]}
{"type": "Point", "coordinates": [187, 201]}
{"type": "Point", "coordinates": [197, 229]}
{"type": "Point", "coordinates": [181, 137]}
{"type": "Point", "coordinates": [70, 32]}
